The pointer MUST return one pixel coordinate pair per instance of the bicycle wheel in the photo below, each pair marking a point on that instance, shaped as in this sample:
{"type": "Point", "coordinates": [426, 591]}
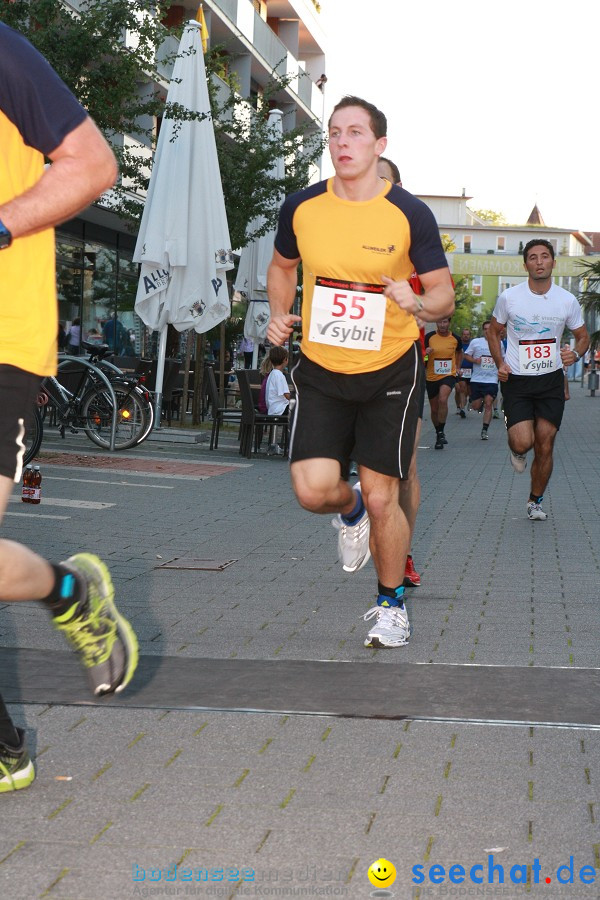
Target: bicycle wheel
{"type": "Point", "coordinates": [97, 408]}
{"type": "Point", "coordinates": [34, 432]}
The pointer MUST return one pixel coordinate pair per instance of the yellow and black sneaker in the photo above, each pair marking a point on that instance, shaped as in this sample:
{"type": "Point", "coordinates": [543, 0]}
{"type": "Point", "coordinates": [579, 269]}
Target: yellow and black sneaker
{"type": "Point", "coordinates": [103, 639]}
{"type": "Point", "coordinates": [16, 769]}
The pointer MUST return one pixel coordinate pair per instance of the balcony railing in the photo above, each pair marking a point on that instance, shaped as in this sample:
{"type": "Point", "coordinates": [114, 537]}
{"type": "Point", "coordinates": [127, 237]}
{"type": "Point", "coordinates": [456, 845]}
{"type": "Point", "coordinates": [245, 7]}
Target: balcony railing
{"type": "Point", "coordinates": [269, 46]}
{"type": "Point", "coordinates": [229, 7]}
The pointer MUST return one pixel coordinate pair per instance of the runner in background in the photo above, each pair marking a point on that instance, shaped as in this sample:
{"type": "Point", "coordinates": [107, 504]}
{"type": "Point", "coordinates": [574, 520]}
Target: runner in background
{"type": "Point", "coordinates": [535, 314]}
{"type": "Point", "coordinates": [463, 377]}
{"type": "Point", "coordinates": [444, 357]}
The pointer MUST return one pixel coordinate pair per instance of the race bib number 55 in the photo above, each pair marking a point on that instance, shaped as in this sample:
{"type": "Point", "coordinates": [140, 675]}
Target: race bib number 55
{"type": "Point", "coordinates": [347, 314]}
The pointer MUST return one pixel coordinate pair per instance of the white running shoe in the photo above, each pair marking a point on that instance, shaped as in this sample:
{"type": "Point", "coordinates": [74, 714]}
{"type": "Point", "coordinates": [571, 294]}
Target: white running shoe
{"type": "Point", "coordinates": [535, 512]}
{"type": "Point", "coordinates": [390, 629]}
{"type": "Point", "coordinates": [353, 540]}
{"type": "Point", "coordinates": [518, 462]}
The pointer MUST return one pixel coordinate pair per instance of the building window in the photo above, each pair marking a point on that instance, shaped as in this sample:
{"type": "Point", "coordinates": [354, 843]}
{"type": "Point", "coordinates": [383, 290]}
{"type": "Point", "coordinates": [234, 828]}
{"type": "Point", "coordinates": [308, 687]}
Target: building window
{"type": "Point", "coordinates": [500, 244]}
{"type": "Point", "coordinates": [476, 286]}
{"type": "Point", "coordinates": [466, 243]}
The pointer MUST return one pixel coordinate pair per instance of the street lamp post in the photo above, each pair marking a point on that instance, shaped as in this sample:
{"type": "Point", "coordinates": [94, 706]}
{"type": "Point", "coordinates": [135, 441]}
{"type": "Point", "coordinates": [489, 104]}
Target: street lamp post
{"type": "Point", "coordinates": [321, 82]}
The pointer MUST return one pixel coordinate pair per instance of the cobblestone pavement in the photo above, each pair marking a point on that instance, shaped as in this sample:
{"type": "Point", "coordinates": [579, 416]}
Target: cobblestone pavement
{"type": "Point", "coordinates": [271, 805]}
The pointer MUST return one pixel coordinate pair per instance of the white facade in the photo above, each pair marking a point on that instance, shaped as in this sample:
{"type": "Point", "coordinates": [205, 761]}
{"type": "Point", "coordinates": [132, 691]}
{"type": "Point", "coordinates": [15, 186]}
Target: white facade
{"type": "Point", "coordinates": [490, 256]}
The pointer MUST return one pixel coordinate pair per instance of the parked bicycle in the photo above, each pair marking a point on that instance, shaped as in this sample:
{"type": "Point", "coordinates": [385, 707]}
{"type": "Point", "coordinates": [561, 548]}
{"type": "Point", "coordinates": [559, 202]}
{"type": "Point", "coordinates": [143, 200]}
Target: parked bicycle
{"type": "Point", "coordinates": [87, 404]}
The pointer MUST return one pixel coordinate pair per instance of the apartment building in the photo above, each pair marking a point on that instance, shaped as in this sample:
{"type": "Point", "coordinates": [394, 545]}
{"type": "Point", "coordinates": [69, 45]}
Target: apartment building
{"type": "Point", "coordinates": [96, 275]}
{"type": "Point", "coordinates": [490, 256]}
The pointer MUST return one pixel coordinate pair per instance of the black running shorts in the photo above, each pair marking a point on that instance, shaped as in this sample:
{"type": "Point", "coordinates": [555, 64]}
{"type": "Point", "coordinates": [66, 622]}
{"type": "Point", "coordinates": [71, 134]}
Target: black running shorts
{"type": "Point", "coordinates": [479, 390]}
{"type": "Point", "coordinates": [370, 417]}
{"type": "Point", "coordinates": [18, 393]}
{"type": "Point", "coordinates": [433, 387]}
{"type": "Point", "coordinates": [530, 397]}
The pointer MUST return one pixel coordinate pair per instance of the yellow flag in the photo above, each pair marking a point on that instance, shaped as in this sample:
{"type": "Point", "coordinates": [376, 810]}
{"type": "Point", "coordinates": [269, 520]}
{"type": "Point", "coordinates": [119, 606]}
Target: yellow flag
{"type": "Point", "coordinates": [200, 18]}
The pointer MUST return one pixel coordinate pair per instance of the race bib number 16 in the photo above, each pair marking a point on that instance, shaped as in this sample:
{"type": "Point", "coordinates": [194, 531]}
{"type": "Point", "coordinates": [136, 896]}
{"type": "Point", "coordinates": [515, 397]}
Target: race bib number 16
{"type": "Point", "coordinates": [347, 314]}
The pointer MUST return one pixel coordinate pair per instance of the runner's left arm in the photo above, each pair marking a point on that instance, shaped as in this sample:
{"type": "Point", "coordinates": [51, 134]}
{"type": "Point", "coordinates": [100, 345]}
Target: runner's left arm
{"type": "Point", "coordinates": [434, 304]}
{"type": "Point", "coordinates": [582, 342]}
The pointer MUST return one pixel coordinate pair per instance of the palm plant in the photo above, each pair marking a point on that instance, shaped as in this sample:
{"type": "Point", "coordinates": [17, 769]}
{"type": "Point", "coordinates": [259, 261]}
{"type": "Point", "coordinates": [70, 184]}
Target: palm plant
{"type": "Point", "coordinates": [589, 297]}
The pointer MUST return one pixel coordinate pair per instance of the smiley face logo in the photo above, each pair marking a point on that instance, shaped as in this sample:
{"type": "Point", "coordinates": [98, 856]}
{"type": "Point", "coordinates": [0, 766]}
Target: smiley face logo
{"type": "Point", "coordinates": [381, 873]}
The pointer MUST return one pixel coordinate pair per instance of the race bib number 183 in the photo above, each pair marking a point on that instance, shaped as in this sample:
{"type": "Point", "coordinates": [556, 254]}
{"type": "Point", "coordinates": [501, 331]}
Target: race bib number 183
{"type": "Point", "coordinates": [347, 314]}
{"type": "Point", "coordinates": [537, 357]}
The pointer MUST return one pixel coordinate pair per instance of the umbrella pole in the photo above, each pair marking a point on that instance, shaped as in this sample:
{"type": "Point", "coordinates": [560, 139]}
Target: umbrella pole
{"type": "Point", "coordinates": [222, 364]}
{"type": "Point", "coordinates": [186, 374]}
{"type": "Point", "coordinates": [160, 371]}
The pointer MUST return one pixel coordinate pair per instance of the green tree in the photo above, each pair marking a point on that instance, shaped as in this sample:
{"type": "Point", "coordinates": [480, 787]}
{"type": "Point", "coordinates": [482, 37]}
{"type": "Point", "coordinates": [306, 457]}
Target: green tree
{"type": "Point", "coordinates": [590, 297]}
{"type": "Point", "coordinates": [248, 148]}
{"type": "Point", "coordinates": [491, 216]}
{"type": "Point", "coordinates": [467, 313]}
{"type": "Point", "coordinates": [448, 244]}
{"type": "Point", "coordinates": [114, 83]}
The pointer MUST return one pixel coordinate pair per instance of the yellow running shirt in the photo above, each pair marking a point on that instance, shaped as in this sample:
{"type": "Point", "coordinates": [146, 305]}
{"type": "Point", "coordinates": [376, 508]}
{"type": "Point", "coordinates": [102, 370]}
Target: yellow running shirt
{"type": "Point", "coordinates": [348, 325]}
{"type": "Point", "coordinates": [37, 111]}
{"type": "Point", "coordinates": [441, 355]}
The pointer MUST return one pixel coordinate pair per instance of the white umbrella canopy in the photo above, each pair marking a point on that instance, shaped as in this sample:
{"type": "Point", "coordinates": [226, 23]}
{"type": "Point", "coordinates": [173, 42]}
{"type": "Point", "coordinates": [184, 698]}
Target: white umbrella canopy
{"type": "Point", "coordinates": [183, 243]}
{"type": "Point", "coordinates": [251, 280]}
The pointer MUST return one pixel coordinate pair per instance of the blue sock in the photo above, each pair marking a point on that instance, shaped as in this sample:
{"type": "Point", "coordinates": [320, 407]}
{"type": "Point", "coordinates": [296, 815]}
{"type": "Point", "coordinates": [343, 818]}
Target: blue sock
{"type": "Point", "coordinates": [359, 508]}
{"type": "Point", "coordinates": [390, 596]}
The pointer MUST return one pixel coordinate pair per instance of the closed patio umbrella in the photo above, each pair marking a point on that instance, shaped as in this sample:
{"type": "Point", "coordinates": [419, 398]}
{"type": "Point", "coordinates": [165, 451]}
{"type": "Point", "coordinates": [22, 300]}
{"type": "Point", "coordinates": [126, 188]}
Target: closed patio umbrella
{"type": "Point", "coordinates": [183, 243]}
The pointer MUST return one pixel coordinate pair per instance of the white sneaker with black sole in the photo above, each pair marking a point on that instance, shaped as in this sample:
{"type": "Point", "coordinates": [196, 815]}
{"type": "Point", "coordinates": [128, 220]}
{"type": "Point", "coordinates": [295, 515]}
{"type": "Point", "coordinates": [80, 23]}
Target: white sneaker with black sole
{"type": "Point", "coordinates": [390, 629]}
{"type": "Point", "coordinates": [353, 540]}
{"type": "Point", "coordinates": [518, 462]}
{"type": "Point", "coordinates": [535, 512]}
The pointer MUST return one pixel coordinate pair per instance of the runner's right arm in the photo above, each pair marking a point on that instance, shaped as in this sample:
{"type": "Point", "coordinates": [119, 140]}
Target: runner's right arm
{"type": "Point", "coordinates": [49, 119]}
{"type": "Point", "coordinates": [282, 281]}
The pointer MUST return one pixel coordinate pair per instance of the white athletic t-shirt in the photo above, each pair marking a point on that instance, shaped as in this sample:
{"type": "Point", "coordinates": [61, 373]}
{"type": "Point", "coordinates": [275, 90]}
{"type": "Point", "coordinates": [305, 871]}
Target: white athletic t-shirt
{"type": "Point", "coordinates": [534, 326]}
{"type": "Point", "coordinates": [486, 372]}
{"type": "Point", "coordinates": [277, 387]}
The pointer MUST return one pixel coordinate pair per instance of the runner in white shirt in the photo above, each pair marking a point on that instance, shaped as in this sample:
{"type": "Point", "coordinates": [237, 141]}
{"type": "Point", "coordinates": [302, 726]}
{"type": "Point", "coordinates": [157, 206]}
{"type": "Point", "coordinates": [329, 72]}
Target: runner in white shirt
{"type": "Point", "coordinates": [483, 385]}
{"type": "Point", "coordinates": [535, 313]}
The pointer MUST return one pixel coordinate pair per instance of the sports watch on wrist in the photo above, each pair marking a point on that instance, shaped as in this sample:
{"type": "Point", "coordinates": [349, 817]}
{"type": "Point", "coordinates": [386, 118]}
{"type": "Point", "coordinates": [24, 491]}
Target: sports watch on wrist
{"type": "Point", "coordinates": [577, 355]}
{"type": "Point", "coordinates": [5, 236]}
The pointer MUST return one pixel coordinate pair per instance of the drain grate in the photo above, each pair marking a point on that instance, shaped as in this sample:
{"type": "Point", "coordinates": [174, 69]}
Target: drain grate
{"type": "Point", "coordinates": [204, 565]}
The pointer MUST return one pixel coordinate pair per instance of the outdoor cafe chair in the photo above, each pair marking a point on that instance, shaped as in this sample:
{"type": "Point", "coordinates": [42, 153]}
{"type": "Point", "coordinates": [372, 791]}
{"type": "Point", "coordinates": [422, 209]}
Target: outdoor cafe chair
{"type": "Point", "coordinates": [171, 371]}
{"type": "Point", "coordinates": [253, 421]}
{"type": "Point", "coordinates": [220, 414]}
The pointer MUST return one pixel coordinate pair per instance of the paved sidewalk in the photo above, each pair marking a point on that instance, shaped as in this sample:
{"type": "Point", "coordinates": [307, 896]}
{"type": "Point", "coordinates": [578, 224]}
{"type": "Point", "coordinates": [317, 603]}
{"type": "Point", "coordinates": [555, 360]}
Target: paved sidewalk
{"type": "Point", "coordinates": [308, 802]}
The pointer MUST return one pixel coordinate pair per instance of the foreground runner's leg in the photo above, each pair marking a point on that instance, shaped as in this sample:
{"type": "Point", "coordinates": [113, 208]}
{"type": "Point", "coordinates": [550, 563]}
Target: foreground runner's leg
{"type": "Point", "coordinates": [520, 442]}
{"type": "Point", "coordinates": [80, 597]}
{"type": "Point", "coordinates": [354, 531]}
{"type": "Point", "coordinates": [390, 536]}
{"type": "Point", "coordinates": [320, 488]}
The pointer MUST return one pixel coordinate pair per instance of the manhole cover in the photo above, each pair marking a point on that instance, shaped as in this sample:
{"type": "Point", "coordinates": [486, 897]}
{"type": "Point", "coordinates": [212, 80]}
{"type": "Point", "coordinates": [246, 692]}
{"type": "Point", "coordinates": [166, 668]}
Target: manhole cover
{"type": "Point", "coordinates": [207, 565]}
